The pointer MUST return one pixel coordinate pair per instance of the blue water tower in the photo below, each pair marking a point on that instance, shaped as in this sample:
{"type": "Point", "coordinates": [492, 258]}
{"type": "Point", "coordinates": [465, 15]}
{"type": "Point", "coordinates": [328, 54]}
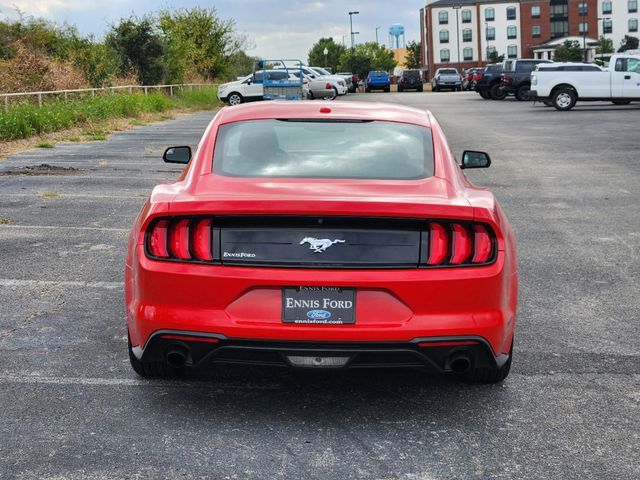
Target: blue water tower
{"type": "Point", "coordinates": [395, 32]}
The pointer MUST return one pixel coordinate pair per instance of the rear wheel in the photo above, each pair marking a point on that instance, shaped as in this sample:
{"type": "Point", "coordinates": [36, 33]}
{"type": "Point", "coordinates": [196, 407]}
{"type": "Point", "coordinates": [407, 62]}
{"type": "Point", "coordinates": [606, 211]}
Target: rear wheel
{"type": "Point", "coordinates": [420, 88]}
{"type": "Point", "coordinates": [235, 99]}
{"type": "Point", "coordinates": [484, 376]}
{"type": "Point", "coordinates": [564, 99]}
{"type": "Point", "coordinates": [484, 94]}
{"type": "Point", "coordinates": [434, 89]}
{"type": "Point", "coordinates": [387, 89]}
{"type": "Point", "coordinates": [621, 102]}
{"type": "Point", "coordinates": [399, 89]}
{"type": "Point", "coordinates": [331, 96]}
{"type": "Point", "coordinates": [150, 369]}
{"type": "Point", "coordinates": [523, 93]}
{"type": "Point", "coordinates": [496, 93]}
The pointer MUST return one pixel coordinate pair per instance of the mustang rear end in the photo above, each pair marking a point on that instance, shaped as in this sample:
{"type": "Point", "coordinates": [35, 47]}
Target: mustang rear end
{"type": "Point", "coordinates": [309, 235]}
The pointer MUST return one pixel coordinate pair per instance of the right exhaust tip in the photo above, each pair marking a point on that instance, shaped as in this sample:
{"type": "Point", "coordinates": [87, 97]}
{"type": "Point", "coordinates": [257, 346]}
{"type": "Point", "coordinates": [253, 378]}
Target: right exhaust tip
{"type": "Point", "coordinates": [177, 356]}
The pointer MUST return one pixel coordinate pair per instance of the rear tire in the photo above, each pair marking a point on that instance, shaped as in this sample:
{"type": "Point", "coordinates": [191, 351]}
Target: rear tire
{"type": "Point", "coordinates": [420, 89]}
{"type": "Point", "coordinates": [484, 94]}
{"type": "Point", "coordinates": [150, 369]}
{"type": "Point", "coordinates": [387, 89]}
{"type": "Point", "coordinates": [488, 376]}
{"type": "Point", "coordinates": [564, 99]}
{"type": "Point", "coordinates": [331, 96]}
{"type": "Point", "coordinates": [399, 89]}
{"type": "Point", "coordinates": [496, 93]}
{"type": "Point", "coordinates": [435, 89]}
{"type": "Point", "coordinates": [523, 93]}
{"type": "Point", "coordinates": [235, 99]}
{"type": "Point", "coordinates": [621, 102]}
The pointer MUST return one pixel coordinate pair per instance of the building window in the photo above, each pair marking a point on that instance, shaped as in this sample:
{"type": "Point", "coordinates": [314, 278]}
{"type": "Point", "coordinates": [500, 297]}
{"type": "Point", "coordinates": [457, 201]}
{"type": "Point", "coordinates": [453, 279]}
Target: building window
{"type": "Point", "coordinates": [444, 36]}
{"type": "Point", "coordinates": [535, 11]}
{"type": "Point", "coordinates": [443, 18]}
{"type": "Point", "coordinates": [489, 14]}
{"type": "Point", "coordinates": [491, 51]}
{"type": "Point", "coordinates": [583, 27]}
{"type": "Point", "coordinates": [512, 51]}
{"type": "Point", "coordinates": [606, 7]}
{"type": "Point", "coordinates": [444, 55]}
{"type": "Point", "coordinates": [633, 6]}
{"type": "Point", "coordinates": [511, 13]}
{"type": "Point", "coordinates": [607, 26]}
{"type": "Point", "coordinates": [491, 33]}
{"type": "Point", "coordinates": [468, 53]}
{"type": "Point", "coordinates": [512, 32]}
{"type": "Point", "coordinates": [633, 24]}
{"type": "Point", "coordinates": [466, 16]}
{"type": "Point", "coordinates": [535, 31]}
{"type": "Point", "coordinates": [466, 35]}
{"type": "Point", "coordinates": [559, 28]}
{"type": "Point", "coordinates": [582, 9]}
{"type": "Point", "coordinates": [559, 11]}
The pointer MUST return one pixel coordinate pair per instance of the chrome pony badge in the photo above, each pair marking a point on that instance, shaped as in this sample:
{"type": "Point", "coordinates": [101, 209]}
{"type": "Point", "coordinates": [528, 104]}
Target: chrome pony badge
{"type": "Point", "coordinates": [319, 245]}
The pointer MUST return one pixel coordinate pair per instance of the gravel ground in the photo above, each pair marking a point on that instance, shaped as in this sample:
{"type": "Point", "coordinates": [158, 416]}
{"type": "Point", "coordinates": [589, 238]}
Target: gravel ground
{"type": "Point", "coordinates": [71, 407]}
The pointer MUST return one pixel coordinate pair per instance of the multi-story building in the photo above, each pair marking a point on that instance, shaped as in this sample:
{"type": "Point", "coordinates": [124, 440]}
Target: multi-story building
{"type": "Point", "coordinates": [465, 33]}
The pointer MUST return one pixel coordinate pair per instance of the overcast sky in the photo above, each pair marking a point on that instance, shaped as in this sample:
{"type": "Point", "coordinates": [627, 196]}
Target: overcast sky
{"type": "Point", "coordinates": [277, 28]}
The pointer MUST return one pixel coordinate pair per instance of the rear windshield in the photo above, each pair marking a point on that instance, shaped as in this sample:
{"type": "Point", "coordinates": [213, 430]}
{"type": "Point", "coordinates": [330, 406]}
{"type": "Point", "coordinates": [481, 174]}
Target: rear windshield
{"type": "Point", "coordinates": [411, 73]}
{"type": "Point", "coordinates": [378, 74]}
{"type": "Point", "coordinates": [321, 149]}
{"type": "Point", "coordinates": [448, 71]}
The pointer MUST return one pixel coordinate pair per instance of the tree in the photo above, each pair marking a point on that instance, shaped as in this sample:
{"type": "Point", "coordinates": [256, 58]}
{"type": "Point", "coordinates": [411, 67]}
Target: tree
{"type": "Point", "coordinates": [628, 43]}
{"type": "Point", "coordinates": [334, 52]}
{"type": "Point", "coordinates": [140, 49]}
{"type": "Point", "coordinates": [493, 57]}
{"type": "Point", "coordinates": [366, 57]}
{"type": "Point", "coordinates": [568, 51]}
{"type": "Point", "coordinates": [198, 43]}
{"type": "Point", "coordinates": [413, 60]}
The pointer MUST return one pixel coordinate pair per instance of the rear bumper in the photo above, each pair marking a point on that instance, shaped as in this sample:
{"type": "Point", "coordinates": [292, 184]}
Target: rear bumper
{"type": "Point", "coordinates": [435, 354]}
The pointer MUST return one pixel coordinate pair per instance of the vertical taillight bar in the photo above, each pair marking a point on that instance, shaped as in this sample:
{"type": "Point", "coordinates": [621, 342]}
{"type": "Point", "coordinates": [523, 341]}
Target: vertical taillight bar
{"type": "Point", "coordinates": [202, 240]}
{"type": "Point", "coordinates": [483, 245]}
{"type": "Point", "coordinates": [179, 240]}
{"type": "Point", "coordinates": [158, 239]}
{"type": "Point", "coordinates": [460, 244]}
{"type": "Point", "coordinates": [438, 244]}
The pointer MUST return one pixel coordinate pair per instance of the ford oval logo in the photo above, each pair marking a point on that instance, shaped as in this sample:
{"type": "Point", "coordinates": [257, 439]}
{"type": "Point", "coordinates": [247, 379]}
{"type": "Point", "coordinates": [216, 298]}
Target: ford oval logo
{"type": "Point", "coordinates": [318, 314]}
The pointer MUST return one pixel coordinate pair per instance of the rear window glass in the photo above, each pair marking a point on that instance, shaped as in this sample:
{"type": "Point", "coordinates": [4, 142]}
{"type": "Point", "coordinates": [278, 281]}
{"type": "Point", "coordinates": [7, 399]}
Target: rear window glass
{"type": "Point", "coordinates": [448, 71]}
{"type": "Point", "coordinates": [321, 149]}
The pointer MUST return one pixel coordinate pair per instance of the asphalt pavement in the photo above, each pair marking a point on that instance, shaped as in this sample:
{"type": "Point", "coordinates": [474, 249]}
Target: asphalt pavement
{"type": "Point", "coordinates": [71, 407]}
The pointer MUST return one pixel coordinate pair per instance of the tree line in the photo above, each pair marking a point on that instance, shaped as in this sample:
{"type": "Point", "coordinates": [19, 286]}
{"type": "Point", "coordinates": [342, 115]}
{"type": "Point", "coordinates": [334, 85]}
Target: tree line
{"type": "Point", "coordinates": [169, 46]}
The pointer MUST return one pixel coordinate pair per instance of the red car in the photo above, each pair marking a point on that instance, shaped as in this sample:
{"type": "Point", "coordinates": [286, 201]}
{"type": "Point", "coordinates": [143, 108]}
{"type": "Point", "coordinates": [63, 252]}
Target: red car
{"type": "Point", "coordinates": [322, 235]}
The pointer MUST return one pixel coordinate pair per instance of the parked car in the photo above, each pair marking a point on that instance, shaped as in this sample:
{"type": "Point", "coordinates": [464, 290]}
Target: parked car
{"type": "Point", "coordinates": [316, 87]}
{"type": "Point", "coordinates": [410, 80]}
{"type": "Point", "coordinates": [351, 79]}
{"type": "Point", "coordinates": [564, 84]}
{"type": "Point", "coordinates": [377, 80]}
{"type": "Point", "coordinates": [339, 83]}
{"type": "Point", "coordinates": [446, 78]}
{"type": "Point", "coordinates": [488, 85]}
{"type": "Point", "coordinates": [277, 247]}
{"type": "Point", "coordinates": [250, 88]}
{"type": "Point", "coordinates": [517, 80]}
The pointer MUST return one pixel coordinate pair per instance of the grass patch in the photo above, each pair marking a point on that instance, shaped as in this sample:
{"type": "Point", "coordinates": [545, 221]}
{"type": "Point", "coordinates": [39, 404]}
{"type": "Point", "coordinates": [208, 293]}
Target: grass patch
{"type": "Point", "coordinates": [74, 138]}
{"type": "Point", "coordinates": [45, 145]}
{"type": "Point", "coordinates": [49, 195]}
{"type": "Point", "coordinates": [24, 120]}
{"type": "Point", "coordinates": [95, 135]}
{"type": "Point", "coordinates": [5, 221]}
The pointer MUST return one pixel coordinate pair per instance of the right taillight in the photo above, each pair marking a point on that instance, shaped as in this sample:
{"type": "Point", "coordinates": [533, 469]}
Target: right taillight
{"type": "Point", "coordinates": [459, 244]}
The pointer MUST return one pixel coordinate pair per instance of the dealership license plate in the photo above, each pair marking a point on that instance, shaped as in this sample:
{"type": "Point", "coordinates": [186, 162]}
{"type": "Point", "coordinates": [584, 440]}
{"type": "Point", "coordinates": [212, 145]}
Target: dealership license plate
{"type": "Point", "coordinates": [319, 305]}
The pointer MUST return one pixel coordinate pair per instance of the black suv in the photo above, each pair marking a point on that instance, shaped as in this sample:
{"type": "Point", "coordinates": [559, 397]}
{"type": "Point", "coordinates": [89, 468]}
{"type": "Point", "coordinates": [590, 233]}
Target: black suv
{"type": "Point", "coordinates": [517, 80]}
{"type": "Point", "coordinates": [410, 80]}
{"type": "Point", "coordinates": [489, 85]}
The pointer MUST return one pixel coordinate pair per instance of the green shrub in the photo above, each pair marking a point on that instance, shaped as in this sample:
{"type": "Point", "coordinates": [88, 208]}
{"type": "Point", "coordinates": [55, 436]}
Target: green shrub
{"type": "Point", "coordinates": [26, 119]}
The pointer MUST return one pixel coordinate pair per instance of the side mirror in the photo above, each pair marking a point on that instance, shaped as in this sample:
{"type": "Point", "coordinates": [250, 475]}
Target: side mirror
{"type": "Point", "coordinates": [472, 159]}
{"type": "Point", "coordinates": [177, 155]}
{"type": "Point", "coordinates": [250, 81]}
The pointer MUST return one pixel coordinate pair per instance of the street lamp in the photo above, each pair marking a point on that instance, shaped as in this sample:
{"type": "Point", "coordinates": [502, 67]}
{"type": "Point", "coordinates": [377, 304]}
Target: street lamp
{"type": "Point", "coordinates": [325, 51]}
{"type": "Point", "coordinates": [377, 28]}
{"type": "Point", "coordinates": [351, 14]}
{"type": "Point", "coordinates": [457, 7]}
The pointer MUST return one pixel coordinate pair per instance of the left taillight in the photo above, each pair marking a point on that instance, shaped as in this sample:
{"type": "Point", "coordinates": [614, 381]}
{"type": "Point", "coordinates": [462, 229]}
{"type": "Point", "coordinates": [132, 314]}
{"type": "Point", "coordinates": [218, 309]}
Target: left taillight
{"type": "Point", "coordinates": [181, 239]}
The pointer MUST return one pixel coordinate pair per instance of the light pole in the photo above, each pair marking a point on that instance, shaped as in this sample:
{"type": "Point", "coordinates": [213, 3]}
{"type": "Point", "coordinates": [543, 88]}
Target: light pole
{"type": "Point", "coordinates": [343, 44]}
{"type": "Point", "coordinates": [325, 51]}
{"type": "Point", "coordinates": [486, 37]}
{"type": "Point", "coordinates": [351, 14]}
{"type": "Point", "coordinates": [377, 28]}
{"type": "Point", "coordinates": [457, 7]}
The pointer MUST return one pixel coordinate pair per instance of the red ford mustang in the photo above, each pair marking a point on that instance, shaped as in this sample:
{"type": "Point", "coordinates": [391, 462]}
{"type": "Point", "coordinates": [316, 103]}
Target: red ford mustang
{"type": "Point", "coordinates": [331, 235]}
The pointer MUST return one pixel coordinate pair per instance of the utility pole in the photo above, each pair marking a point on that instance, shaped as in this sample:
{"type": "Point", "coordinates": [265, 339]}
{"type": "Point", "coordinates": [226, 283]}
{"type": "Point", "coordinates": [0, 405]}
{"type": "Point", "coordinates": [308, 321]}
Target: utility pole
{"type": "Point", "coordinates": [351, 14]}
{"type": "Point", "coordinates": [457, 7]}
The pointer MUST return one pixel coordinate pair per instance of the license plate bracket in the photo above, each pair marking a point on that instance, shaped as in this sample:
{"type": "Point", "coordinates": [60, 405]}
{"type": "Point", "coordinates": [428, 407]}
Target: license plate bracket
{"type": "Point", "coordinates": [319, 305]}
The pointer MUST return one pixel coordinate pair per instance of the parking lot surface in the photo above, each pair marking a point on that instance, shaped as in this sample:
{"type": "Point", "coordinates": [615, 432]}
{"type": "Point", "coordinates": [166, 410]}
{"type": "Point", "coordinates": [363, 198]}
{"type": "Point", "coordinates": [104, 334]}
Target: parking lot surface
{"type": "Point", "coordinates": [71, 407]}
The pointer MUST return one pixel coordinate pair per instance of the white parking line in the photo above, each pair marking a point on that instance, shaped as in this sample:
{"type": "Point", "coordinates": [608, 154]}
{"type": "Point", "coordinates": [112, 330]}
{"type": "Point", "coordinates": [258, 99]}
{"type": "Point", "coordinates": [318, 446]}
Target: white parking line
{"type": "Point", "coordinates": [57, 227]}
{"type": "Point", "coordinates": [140, 195]}
{"type": "Point", "coordinates": [128, 382]}
{"type": "Point", "coordinates": [12, 282]}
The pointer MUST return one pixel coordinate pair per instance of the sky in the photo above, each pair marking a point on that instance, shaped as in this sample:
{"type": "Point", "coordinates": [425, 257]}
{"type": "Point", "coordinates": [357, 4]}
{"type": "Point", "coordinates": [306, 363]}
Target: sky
{"type": "Point", "coordinates": [276, 28]}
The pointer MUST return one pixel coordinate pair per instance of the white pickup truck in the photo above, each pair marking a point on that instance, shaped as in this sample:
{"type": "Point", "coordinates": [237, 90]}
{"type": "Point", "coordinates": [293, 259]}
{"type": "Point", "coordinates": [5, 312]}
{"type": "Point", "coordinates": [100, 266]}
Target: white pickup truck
{"type": "Point", "coordinates": [563, 84]}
